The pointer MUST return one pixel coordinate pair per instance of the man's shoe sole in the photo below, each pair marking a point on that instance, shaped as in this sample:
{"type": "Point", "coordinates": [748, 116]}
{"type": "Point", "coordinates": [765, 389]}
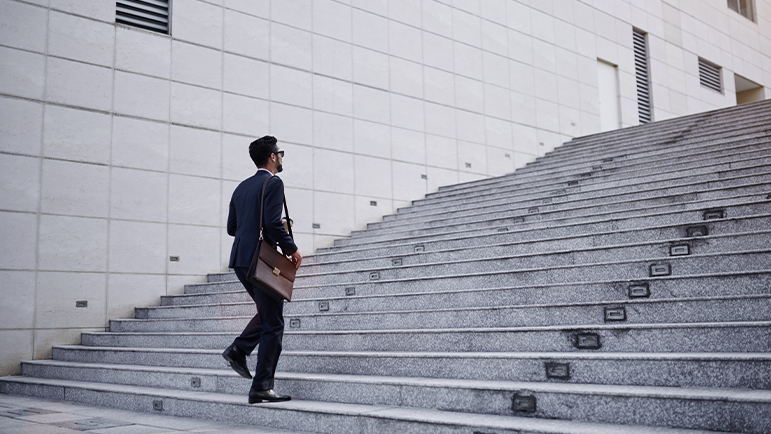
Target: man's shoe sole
{"type": "Point", "coordinates": [236, 367]}
{"type": "Point", "coordinates": [260, 400]}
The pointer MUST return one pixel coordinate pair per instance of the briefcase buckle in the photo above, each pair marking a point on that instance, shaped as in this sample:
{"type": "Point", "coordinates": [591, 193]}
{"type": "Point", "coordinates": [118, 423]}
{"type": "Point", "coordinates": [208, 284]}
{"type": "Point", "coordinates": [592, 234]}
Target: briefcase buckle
{"type": "Point", "coordinates": [276, 271]}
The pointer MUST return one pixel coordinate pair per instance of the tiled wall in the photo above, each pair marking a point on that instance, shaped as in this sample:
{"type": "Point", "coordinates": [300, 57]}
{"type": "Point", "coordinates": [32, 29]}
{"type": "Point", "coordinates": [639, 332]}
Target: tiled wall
{"type": "Point", "coordinates": [121, 147]}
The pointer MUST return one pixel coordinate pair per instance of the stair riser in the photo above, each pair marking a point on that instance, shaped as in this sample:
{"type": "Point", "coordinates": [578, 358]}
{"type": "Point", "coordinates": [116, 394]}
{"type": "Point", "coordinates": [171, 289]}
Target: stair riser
{"type": "Point", "coordinates": [486, 274]}
{"type": "Point", "coordinates": [660, 312]}
{"type": "Point", "coordinates": [618, 339]}
{"type": "Point", "coordinates": [647, 165]}
{"type": "Point", "coordinates": [672, 213]}
{"type": "Point", "coordinates": [588, 192]}
{"type": "Point", "coordinates": [542, 240]}
{"type": "Point", "coordinates": [750, 375]}
{"type": "Point", "coordinates": [583, 250]}
{"type": "Point", "coordinates": [550, 405]}
{"type": "Point", "coordinates": [670, 373]}
{"type": "Point", "coordinates": [485, 217]}
{"type": "Point", "coordinates": [660, 288]}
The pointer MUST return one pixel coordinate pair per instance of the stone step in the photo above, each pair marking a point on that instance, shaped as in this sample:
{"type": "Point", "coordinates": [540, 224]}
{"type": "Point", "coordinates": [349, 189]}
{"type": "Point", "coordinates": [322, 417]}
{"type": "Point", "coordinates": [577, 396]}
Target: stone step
{"type": "Point", "coordinates": [538, 241]}
{"type": "Point", "coordinates": [335, 418]}
{"type": "Point", "coordinates": [649, 159]}
{"type": "Point", "coordinates": [615, 158]}
{"type": "Point", "coordinates": [517, 270]}
{"type": "Point", "coordinates": [612, 150]}
{"type": "Point", "coordinates": [576, 249]}
{"type": "Point", "coordinates": [599, 184]}
{"type": "Point", "coordinates": [617, 150]}
{"type": "Point", "coordinates": [703, 285]}
{"type": "Point", "coordinates": [736, 370]}
{"type": "Point", "coordinates": [456, 395]}
{"type": "Point", "coordinates": [735, 336]}
{"type": "Point", "coordinates": [666, 210]}
{"type": "Point", "coordinates": [575, 205]}
{"type": "Point", "coordinates": [675, 310]}
{"type": "Point", "coordinates": [662, 135]}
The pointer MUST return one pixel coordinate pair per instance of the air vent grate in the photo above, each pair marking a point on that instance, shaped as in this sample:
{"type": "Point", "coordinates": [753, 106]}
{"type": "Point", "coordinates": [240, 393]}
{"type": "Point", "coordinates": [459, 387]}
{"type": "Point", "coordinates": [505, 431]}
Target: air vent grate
{"type": "Point", "coordinates": [145, 14]}
{"type": "Point", "coordinates": [709, 75]}
{"type": "Point", "coordinates": [643, 75]}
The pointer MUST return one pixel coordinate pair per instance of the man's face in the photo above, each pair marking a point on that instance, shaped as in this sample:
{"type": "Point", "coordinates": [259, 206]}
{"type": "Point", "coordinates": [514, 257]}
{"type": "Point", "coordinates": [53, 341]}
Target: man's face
{"type": "Point", "coordinates": [279, 160]}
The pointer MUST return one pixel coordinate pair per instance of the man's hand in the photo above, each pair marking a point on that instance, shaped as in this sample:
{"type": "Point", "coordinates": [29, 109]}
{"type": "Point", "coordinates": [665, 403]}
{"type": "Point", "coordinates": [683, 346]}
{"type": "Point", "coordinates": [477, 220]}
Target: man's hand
{"type": "Point", "coordinates": [297, 258]}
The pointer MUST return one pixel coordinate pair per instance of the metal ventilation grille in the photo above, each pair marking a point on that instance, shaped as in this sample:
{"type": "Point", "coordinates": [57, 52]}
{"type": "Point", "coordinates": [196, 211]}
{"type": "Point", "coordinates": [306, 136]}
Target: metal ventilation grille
{"type": "Point", "coordinates": [146, 14]}
{"type": "Point", "coordinates": [709, 75]}
{"type": "Point", "coordinates": [642, 72]}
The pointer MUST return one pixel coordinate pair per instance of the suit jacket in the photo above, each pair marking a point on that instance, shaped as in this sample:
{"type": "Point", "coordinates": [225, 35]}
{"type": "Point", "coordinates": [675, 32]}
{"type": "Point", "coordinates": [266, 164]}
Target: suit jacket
{"type": "Point", "coordinates": [244, 218]}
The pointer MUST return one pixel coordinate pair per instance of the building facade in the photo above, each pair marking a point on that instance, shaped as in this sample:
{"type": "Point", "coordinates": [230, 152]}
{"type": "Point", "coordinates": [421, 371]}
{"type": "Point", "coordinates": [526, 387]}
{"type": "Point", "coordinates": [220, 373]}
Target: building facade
{"type": "Point", "coordinates": [120, 145]}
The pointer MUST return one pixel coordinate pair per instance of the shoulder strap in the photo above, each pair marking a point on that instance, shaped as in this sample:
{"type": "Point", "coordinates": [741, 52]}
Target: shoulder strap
{"type": "Point", "coordinates": [262, 207]}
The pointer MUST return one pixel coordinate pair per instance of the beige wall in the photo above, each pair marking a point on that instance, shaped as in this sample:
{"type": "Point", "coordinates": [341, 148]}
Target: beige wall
{"type": "Point", "coordinates": [121, 147]}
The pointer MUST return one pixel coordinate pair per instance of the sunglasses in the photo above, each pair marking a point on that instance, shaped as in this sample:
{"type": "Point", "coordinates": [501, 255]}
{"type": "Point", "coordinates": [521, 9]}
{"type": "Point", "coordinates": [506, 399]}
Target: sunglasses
{"type": "Point", "coordinates": [281, 153]}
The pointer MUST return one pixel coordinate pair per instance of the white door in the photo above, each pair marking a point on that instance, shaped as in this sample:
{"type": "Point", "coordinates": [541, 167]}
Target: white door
{"type": "Point", "coordinates": [607, 80]}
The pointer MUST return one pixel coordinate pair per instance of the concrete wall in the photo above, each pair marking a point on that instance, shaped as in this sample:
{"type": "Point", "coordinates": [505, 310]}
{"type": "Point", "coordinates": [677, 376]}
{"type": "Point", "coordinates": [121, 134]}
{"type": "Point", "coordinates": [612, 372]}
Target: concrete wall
{"type": "Point", "coordinates": [120, 147]}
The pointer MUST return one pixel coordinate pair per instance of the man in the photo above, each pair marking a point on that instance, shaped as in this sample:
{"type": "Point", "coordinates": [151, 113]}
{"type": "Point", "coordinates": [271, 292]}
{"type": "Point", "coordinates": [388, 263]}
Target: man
{"type": "Point", "coordinates": [267, 326]}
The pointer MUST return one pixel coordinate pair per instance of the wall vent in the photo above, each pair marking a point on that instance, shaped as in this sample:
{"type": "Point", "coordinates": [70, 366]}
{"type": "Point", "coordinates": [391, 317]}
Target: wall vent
{"type": "Point", "coordinates": [709, 75]}
{"type": "Point", "coordinates": [145, 14]}
{"type": "Point", "coordinates": [643, 75]}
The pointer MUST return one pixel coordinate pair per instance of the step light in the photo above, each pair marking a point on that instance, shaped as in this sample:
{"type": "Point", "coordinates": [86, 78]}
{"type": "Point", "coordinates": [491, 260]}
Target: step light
{"type": "Point", "coordinates": [607, 160]}
{"type": "Point", "coordinates": [596, 167]}
{"type": "Point", "coordinates": [585, 175]}
{"type": "Point", "coordinates": [518, 220]}
{"type": "Point", "coordinates": [680, 250]}
{"type": "Point", "coordinates": [350, 291]}
{"type": "Point", "coordinates": [523, 404]}
{"type": "Point", "coordinates": [614, 314]}
{"type": "Point", "coordinates": [81, 303]}
{"type": "Point", "coordinates": [195, 382]}
{"type": "Point", "coordinates": [639, 290]}
{"type": "Point", "coordinates": [396, 262]}
{"type": "Point", "coordinates": [294, 323]}
{"type": "Point", "coordinates": [374, 275]}
{"type": "Point", "coordinates": [587, 341]}
{"type": "Point", "coordinates": [158, 405]}
{"type": "Point", "coordinates": [316, 225]}
{"type": "Point", "coordinates": [503, 229]}
{"type": "Point", "coordinates": [561, 192]}
{"type": "Point", "coordinates": [697, 231]}
{"type": "Point", "coordinates": [660, 270]}
{"type": "Point", "coordinates": [173, 258]}
{"type": "Point", "coordinates": [420, 248]}
{"type": "Point", "coordinates": [560, 371]}
{"type": "Point", "coordinates": [571, 183]}
{"type": "Point", "coordinates": [712, 214]}
{"type": "Point", "coordinates": [373, 203]}
{"type": "Point", "coordinates": [532, 210]}
{"type": "Point", "coordinates": [323, 306]}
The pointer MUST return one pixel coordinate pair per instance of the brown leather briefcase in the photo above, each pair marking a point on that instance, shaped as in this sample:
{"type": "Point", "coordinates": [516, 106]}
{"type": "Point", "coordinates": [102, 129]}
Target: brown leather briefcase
{"type": "Point", "coordinates": [270, 270]}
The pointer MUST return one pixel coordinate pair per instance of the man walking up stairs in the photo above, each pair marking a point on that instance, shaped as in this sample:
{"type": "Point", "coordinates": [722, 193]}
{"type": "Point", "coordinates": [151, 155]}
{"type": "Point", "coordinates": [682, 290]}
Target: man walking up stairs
{"type": "Point", "coordinates": [622, 283]}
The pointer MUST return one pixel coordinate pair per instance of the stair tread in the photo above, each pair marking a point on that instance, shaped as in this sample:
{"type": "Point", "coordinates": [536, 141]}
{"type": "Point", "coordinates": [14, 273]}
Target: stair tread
{"type": "Point", "coordinates": [377, 411]}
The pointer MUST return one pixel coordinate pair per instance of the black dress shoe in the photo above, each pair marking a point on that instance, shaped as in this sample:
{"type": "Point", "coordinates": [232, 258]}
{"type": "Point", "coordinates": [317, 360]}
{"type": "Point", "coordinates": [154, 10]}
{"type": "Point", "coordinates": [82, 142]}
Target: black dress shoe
{"type": "Point", "coordinates": [256, 396]}
{"type": "Point", "coordinates": [237, 360]}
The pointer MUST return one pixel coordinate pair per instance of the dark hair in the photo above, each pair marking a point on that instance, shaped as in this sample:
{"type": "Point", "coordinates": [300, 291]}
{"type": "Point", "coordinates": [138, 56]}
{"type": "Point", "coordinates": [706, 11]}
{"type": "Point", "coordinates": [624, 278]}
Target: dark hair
{"type": "Point", "coordinates": [261, 149]}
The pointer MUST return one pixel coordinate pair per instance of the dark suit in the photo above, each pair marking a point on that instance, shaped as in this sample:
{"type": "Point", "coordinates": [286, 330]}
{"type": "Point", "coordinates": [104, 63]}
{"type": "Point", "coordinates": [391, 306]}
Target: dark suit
{"type": "Point", "coordinates": [267, 327]}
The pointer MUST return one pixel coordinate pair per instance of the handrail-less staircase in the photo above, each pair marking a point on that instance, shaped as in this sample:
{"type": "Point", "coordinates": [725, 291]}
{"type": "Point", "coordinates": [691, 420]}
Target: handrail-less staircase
{"type": "Point", "coordinates": [621, 282]}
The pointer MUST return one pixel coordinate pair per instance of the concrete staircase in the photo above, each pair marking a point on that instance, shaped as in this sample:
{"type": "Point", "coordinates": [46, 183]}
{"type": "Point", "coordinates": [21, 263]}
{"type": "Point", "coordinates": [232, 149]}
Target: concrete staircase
{"type": "Point", "coordinates": [622, 283]}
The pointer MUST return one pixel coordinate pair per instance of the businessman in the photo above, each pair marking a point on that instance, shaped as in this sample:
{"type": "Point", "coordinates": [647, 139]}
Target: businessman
{"type": "Point", "coordinates": [267, 326]}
